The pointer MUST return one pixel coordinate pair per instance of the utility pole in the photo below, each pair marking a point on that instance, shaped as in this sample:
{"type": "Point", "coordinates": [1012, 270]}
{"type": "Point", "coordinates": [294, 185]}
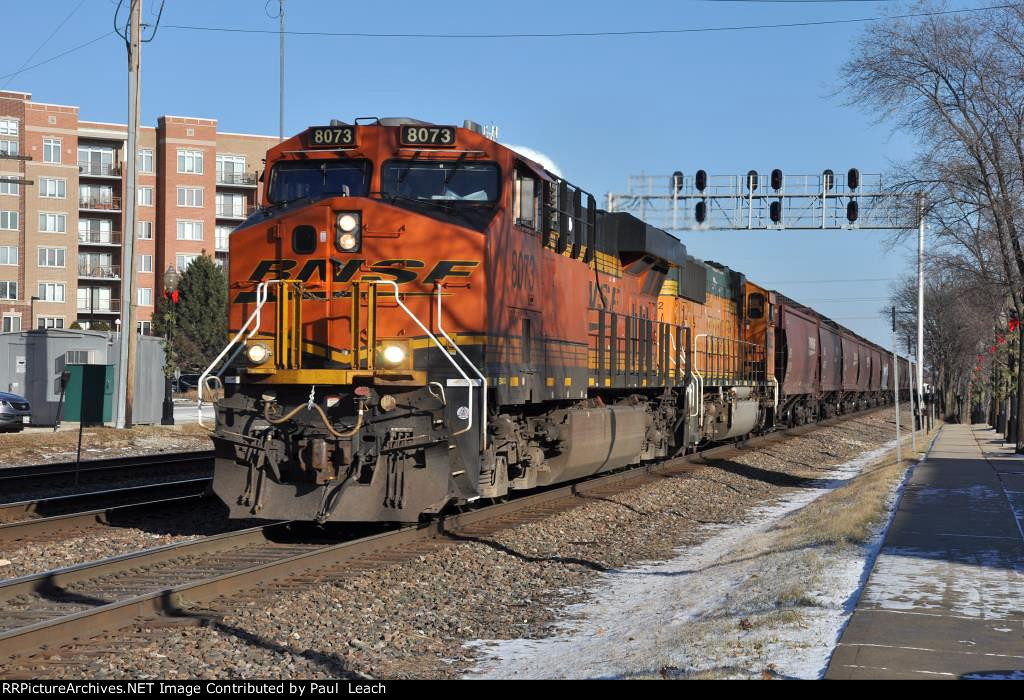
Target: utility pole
{"type": "Point", "coordinates": [128, 337]}
{"type": "Point", "coordinates": [896, 385]}
{"type": "Point", "coordinates": [920, 313]}
{"type": "Point", "coordinates": [280, 128]}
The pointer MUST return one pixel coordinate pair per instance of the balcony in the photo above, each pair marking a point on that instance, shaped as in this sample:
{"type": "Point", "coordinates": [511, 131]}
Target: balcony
{"type": "Point", "coordinates": [99, 169]}
{"type": "Point", "coordinates": [104, 306]}
{"type": "Point", "coordinates": [99, 272]}
{"type": "Point", "coordinates": [237, 179]}
{"type": "Point", "coordinates": [238, 213]}
{"type": "Point", "coordinates": [99, 237]}
{"type": "Point", "coordinates": [99, 203]}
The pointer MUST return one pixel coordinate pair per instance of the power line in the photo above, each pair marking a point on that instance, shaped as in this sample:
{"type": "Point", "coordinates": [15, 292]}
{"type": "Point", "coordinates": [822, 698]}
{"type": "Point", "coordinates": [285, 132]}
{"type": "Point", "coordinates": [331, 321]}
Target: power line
{"type": "Point", "coordinates": [566, 35]}
{"type": "Point", "coordinates": [827, 281]}
{"type": "Point", "coordinates": [60, 55]}
{"type": "Point", "coordinates": [45, 42]}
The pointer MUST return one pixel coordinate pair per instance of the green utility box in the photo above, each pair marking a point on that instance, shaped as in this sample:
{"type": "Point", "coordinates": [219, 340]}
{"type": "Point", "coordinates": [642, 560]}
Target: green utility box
{"type": "Point", "coordinates": [88, 398]}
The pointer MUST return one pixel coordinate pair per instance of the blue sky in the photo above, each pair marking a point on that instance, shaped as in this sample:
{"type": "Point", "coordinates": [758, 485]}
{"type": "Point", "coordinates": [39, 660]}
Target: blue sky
{"type": "Point", "coordinates": [602, 108]}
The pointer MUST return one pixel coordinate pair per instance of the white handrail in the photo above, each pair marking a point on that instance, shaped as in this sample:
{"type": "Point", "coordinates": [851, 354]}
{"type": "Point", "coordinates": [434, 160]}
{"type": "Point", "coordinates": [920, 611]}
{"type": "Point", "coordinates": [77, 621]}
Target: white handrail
{"type": "Point", "coordinates": [483, 379]}
{"type": "Point", "coordinates": [700, 380]}
{"type": "Point", "coordinates": [262, 293]}
{"type": "Point", "coordinates": [444, 351]}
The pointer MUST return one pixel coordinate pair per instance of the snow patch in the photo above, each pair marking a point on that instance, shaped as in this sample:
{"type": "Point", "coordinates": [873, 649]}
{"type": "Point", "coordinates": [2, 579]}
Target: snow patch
{"type": "Point", "coordinates": [689, 612]}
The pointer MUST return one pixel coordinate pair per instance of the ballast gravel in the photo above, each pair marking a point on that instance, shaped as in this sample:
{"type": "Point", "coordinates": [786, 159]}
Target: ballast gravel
{"type": "Point", "coordinates": [412, 619]}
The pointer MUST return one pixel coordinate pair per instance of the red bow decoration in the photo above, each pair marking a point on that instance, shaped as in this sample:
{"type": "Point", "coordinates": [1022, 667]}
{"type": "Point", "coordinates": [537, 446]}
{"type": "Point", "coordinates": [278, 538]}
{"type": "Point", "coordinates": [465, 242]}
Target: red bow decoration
{"type": "Point", "coordinates": [992, 349]}
{"type": "Point", "coordinates": [1014, 324]}
{"type": "Point", "coordinates": [1000, 339]}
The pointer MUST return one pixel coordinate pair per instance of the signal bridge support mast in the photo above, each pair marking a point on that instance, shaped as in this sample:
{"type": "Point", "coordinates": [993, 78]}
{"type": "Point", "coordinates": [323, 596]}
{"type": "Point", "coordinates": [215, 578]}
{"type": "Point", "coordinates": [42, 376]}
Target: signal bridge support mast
{"type": "Point", "coordinates": [827, 201]}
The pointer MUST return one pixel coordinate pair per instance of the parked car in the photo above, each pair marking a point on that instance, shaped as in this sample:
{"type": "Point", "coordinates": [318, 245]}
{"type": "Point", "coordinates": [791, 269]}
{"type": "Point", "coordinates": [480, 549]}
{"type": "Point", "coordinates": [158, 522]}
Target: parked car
{"type": "Point", "coordinates": [14, 411]}
{"type": "Point", "coordinates": [187, 382]}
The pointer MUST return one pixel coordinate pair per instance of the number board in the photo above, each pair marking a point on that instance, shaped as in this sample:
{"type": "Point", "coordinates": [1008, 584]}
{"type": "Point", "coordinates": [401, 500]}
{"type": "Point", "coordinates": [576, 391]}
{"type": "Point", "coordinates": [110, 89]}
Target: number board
{"type": "Point", "coordinates": [426, 136]}
{"type": "Point", "coordinates": [330, 136]}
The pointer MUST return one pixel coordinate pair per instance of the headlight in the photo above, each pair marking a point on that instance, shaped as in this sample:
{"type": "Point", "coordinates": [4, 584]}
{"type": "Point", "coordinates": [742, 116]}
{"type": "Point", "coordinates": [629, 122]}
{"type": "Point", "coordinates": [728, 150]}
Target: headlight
{"type": "Point", "coordinates": [348, 231]}
{"type": "Point", "coordinates": [393, 354]}
{"type": "Point", "coordinates": [5, 404]}
{"type": "Point", "coordinates": [257, 353]}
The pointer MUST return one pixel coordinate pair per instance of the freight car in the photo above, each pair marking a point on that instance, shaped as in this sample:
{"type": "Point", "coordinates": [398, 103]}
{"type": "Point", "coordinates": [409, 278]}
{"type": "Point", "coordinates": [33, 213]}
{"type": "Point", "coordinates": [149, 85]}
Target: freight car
{"type": "Point", "coordinates": [423, 317]}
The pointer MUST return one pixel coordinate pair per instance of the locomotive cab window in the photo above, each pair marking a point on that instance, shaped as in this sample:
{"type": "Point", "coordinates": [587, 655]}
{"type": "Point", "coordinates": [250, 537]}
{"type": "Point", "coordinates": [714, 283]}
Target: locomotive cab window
{"type": "Point", "coordinates": [755, 305]}
{"type": "Point", "coordinates": [292, 180]}
{"type": "Point", "coordinates": [453, 190]}
{"type": "Point", "coordinates": [445, 181]}
{"type": "Point", "coordinates": [525, 207]}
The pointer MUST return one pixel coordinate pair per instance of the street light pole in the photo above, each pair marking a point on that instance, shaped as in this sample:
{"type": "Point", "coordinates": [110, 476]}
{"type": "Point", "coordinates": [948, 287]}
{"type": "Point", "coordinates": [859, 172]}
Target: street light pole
{"type": "Point", "coordinates": [171, 279]}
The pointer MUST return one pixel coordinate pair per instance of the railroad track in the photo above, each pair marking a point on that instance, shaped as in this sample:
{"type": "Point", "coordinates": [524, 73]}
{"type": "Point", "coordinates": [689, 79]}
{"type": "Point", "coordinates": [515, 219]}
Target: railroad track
{"type": "Point", "coordinates": [46, 517]}
{"type": "Point", "coordinates": [18, 480]}
{"type": "Point", "coordinates": [43, 611]}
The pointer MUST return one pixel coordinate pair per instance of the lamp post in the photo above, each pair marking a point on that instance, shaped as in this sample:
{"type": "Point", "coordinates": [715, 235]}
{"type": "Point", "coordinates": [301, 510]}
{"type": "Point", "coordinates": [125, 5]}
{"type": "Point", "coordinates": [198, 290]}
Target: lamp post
{"type": "Point", "coordinates": [171, 279]}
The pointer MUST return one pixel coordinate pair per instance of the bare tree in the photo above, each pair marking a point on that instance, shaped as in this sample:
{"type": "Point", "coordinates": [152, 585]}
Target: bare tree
{"type": "Point", "coordinates": [957, 83]}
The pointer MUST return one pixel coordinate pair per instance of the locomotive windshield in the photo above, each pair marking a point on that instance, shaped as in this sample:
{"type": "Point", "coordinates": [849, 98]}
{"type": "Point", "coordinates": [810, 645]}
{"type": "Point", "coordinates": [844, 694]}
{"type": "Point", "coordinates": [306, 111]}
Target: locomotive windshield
{"type": "Point", "coordinates": [291, 180]}
{"type": "Point", "coordinates": [448, 181]}
{"type": "Point", "coordinates": [456, 191]}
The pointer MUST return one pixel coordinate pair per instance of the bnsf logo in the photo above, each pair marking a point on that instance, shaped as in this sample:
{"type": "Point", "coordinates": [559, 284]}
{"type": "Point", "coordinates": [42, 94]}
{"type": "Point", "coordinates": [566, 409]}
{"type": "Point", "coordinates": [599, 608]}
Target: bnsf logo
{"type": "Point", "coordinates": [402, 271]}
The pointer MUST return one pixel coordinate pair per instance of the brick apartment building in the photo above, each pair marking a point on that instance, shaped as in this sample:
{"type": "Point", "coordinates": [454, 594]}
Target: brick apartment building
{"type": "Point", "coordinates": [62, 214]}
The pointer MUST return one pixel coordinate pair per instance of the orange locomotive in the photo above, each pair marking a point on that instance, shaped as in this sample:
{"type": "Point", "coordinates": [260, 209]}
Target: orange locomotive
{"type": "Point", "coordinates": [422, 317]}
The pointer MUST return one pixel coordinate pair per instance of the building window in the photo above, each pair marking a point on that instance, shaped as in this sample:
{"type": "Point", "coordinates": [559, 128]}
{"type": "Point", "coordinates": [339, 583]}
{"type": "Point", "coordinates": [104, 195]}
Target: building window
{"type": "Point", "coordinates": [50, 322]}
{"type": "Point", "coordinates": [222, 233]}
{"type": "Point", "coordinates": [76, 357]}
{"type": "Point", "coordinates": [8, 291]}
{"type": "Point", "coordinates": [53, 187]}
{"type": "Point", "coordinates": [8, 127]}
{"type": "Point", "coordinates": [51, 257]}
{"type": "Point", "coordinates": [9, 220]}
{"type": "Point", "coordinates": [144, 327]}
{"type": "Point", "coordinates": [96, 160]}
{"type": "Point", "coordinates": [190, 230]}
{"type": "Point", "coordinates": [145, 230]}
{"type": "Point", "coordinates": [96, 299]}
{"type": "Point", "coordinates": [145, 196]}
{"type": "Point", "coordinates": [53, 223]}
{"type": "Point", "coordinates": [145, 160]}
{"type": "Point", "coordinates": [96, 231]}
{"type": "Point", "coordinates": [8, 147]}
{"type": "Point", "coordinates": [232, 205]}
{"type": "Point", "coordinates": [97, 197]}
{"type": "Point", "coordinates": [182, 261]}
{"type": "Point", "coordinates": [8, 255]}
{"type": "Point", "coordinates": [6, 184]}
{"type": "Point", "coordinates": [190, 196]}
{"type": "Point", "coordinates": [12, 324]}
{"type": "Point", "coordinates": [51, 150]}
{"type": "Point", "coordinates": [190, 162]}
{"type": "Point", "coordinates": [145, 263]}
{"type": "Point", "coordinates": [51, 291]}
{"type": "Point", "coordinates": [145, 296]}
{"type": "Point", "coordinates": [231, 170]}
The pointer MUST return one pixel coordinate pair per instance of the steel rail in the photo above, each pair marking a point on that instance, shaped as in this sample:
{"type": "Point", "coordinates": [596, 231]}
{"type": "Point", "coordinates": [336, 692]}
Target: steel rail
{"type": "Point", "coordinates": [12, 513]}
{"type": "Point", "coordinates": [114, 464]}
{"type": "Point", "coordinates": [22, 530]}
{"type": "Point", "coordinates": [180, 599]}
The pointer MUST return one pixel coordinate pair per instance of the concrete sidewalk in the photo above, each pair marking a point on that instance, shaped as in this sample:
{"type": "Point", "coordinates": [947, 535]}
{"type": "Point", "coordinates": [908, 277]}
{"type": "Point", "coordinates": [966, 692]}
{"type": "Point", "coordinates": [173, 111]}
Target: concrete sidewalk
{"type": "Point", "coordinates": [946, 596]}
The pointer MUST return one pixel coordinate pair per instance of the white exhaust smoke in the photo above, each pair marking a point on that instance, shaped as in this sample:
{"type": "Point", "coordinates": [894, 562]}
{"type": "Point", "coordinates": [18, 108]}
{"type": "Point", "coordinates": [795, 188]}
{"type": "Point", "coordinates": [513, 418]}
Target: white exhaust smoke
{"type": "Point", "coordinates": [537, 157]}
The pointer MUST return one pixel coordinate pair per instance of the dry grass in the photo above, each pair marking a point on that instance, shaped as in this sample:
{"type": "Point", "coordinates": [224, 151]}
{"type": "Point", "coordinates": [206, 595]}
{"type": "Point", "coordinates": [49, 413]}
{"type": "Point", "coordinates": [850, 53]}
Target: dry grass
{"type": "Point", "coordinates": [38, 446]}
{"type": "Point", "coordinates": [848, 514]}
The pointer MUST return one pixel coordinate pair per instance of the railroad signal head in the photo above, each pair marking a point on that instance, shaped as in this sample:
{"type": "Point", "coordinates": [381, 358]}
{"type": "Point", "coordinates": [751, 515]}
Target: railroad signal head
{"type": "Point", "coordinates": [701, 212]}
{"type": "Point", "coordinates": [700, 180]}
{"type": "Point", "coordinates": [751, 180]}
{"type": "Point", "coordinates": [677, 182]}
{"type": "Point", "coordinates": [829, 179]}
{"type": "Point", "coordinates": [853, 178]}
{"type": "Point", "coordinates": [776, 179]}
{"type": "Point", "coordinates": [851, 212]}
{"type": "Point", "coordinates": [775, 212]}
